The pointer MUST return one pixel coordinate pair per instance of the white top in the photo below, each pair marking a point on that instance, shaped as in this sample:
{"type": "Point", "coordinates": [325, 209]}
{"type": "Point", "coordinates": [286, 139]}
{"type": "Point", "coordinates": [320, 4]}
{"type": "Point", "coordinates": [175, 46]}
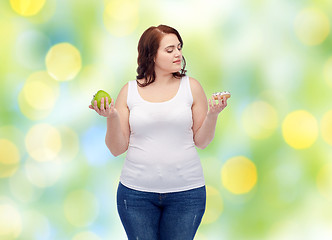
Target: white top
{"type": "Point", "coordinates": [161, 155]}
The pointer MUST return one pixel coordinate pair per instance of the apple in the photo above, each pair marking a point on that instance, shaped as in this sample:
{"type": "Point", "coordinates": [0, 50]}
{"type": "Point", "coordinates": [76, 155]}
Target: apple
{"type": "Point", "coordinates": [98, 96]}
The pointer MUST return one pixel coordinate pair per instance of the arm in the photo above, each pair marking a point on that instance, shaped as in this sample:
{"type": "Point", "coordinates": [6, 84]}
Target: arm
{"type": "Point", "coordinates": [204, 120]}
{"type": "Point", "coordinates": [117, 134]}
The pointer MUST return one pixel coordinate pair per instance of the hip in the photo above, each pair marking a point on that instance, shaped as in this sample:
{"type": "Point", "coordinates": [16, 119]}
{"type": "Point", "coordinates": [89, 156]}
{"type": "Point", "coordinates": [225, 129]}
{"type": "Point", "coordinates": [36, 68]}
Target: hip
{"type": "Point", "coordinates": [195, 196]}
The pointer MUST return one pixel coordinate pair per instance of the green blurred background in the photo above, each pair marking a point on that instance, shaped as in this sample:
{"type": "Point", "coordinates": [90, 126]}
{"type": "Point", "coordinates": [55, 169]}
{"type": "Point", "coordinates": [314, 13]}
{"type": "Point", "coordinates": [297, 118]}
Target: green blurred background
{"type": "Point", "coordinates": [269, 169]}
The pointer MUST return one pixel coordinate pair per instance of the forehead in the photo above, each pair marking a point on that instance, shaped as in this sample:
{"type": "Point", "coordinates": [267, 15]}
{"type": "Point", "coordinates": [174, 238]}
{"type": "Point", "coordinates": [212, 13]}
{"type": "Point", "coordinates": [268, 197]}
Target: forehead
{"type": "Point", "coordinates": [169, 39]}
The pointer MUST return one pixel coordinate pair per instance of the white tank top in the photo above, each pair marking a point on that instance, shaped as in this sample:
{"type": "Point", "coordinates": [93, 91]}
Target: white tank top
{"type": "Point", "coordinates": [161, 155]}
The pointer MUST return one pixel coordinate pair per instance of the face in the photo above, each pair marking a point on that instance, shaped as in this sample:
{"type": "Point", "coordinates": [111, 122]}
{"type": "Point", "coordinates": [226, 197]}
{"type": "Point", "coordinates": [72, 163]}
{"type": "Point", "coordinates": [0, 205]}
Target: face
{"type": "Point", "coordinates": [169, 55]}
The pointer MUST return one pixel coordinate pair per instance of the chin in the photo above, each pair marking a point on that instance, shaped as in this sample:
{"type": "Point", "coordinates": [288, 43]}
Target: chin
{"type": "Point", "coordinates": [177, 69]}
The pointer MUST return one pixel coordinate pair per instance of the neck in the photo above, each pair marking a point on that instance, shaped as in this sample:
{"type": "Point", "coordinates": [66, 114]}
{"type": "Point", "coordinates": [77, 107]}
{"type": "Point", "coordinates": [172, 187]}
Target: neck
{"type": "Point", "coordinates": [163, 77]}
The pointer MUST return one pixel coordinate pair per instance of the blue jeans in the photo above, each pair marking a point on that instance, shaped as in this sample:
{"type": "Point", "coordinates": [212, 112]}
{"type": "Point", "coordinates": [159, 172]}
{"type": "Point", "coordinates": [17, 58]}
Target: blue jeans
{"type": "Point", "coordinates": [166, 216]}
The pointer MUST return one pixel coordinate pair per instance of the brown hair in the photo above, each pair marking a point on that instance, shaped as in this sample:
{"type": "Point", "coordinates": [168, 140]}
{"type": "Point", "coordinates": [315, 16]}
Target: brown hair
{"type": "Point", "coordinates": [147, 49]}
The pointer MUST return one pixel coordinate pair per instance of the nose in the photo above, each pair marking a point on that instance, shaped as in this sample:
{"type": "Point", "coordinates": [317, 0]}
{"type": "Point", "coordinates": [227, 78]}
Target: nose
{"type": "Point", "coordinates": [178, 52]}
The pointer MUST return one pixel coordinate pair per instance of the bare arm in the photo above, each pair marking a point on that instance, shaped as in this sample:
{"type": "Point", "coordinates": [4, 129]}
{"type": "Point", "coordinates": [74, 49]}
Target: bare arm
{"type": "Point", "coordinates": [117, 134]}
{"type": "Point", "coordinates": [204, 120]}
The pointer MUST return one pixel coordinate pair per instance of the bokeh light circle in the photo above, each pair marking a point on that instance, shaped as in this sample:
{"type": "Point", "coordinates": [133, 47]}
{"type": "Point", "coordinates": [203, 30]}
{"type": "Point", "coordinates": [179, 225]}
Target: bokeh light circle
{"type": "Point", "coordinates": [239, 175]}
{"type": "Point", "coordinates": [31, 112]}
{"type": "Point", "coordinates": [326, 127]}
{"type": "Point", "coordinates": [260, 120]}
{"type": "Point", "coordinates": [40, 91]}
{"type": "Point", "coordinates": [63, 62]}
{"type": "Point", "coordinates": [312, 26]}
{"type": "Point", "coordinates": [43, 142]}
{"type": "Point", "coordinates": [38, 95]}
{"type": "Point", "coordinates": [300, 129]}
{"type": "Point", "coordinates": [10, 222]}
{"type": "Point", "coordinates": [70, 143]}
{"type": "Point", "coordinates": [81, 208]}
{"type": "Point", "coordinates": [9, 158]}
{"type": "Point", "coordinates": [43, 174]}
{"type": "Point", "coordinates": [214, 205]}
{"type": "Point", "coordinates": [27, 7]}
{"type": "Point", "coordinates": [86, 236]}
{"type": "Point", "coordinates": [121, 17]}
{"type": "Point", "coordinates": [48, 11]}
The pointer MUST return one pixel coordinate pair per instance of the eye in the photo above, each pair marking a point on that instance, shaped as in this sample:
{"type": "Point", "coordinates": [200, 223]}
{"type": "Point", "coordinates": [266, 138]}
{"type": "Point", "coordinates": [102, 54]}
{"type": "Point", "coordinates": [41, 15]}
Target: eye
{"type": "Point", "coordinates": [170, 51]}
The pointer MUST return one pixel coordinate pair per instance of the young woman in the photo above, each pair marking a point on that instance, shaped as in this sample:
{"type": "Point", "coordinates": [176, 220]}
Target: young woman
{"type": "Point", "coordinates": [158, 119]}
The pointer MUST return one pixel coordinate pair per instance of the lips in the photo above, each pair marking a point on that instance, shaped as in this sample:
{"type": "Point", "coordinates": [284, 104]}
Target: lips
{"type": "Point", "coordinates": [177, 61]}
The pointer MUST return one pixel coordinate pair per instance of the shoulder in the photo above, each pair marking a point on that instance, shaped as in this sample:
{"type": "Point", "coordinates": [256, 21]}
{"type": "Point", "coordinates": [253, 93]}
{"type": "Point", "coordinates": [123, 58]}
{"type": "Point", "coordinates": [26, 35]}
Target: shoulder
{"type": "Point", "coordinates": [194, 83]}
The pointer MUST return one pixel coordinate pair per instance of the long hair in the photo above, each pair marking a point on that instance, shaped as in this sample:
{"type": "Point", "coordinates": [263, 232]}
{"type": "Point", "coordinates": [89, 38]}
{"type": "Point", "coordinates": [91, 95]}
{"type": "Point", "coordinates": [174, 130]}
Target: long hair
{"type": "Point", "coordinates": [147, 49]}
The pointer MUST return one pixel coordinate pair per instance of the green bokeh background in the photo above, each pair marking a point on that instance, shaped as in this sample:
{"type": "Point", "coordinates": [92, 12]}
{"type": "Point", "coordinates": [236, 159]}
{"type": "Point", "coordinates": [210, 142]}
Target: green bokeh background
{"type": "Point", "coordinates": [260, 51]}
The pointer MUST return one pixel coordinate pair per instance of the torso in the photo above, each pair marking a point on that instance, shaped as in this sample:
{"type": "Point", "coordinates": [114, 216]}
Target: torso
{"type": "Point", "coordinates": [161, 155]}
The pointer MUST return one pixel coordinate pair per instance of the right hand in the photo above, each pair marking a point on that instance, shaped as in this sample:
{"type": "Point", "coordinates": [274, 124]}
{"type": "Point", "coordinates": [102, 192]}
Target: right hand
{"type": "Point", "coordinates": [108, 111]}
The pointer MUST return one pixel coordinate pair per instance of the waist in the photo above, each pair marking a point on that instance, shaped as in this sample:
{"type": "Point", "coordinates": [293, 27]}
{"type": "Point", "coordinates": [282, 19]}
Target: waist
{"type": "Point", "coordinates": [164, 172]}
{"type": "Point", "coordinates": [149, 152]}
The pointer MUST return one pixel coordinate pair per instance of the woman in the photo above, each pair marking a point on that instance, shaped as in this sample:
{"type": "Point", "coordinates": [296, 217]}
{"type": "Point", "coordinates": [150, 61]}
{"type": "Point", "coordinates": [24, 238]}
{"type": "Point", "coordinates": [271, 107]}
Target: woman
{"type": "Point", "coordinates": [159, 119]}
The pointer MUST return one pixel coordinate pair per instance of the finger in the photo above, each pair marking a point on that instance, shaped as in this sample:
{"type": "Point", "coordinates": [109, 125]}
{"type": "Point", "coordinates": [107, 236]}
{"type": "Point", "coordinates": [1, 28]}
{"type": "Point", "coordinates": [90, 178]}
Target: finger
{"type": "Point", "coordinates": [107, 105]}
{"type": "Point", "coordinates": [95, 106]}
{"type": "Point", "coordinates": [112, 105]}
{"type": "Point", "coordinates": [225, 101]}
{"type": "Point", "coordinates": [210, 104]}
{"type": "Point", "coordinates": [214, 102]}
{"type": "Point", "coordinates": [92, 107]}
{"type": "Point", "coordinates": [219, 100]}
{"type": "Point", "coordinates": [102, 104]}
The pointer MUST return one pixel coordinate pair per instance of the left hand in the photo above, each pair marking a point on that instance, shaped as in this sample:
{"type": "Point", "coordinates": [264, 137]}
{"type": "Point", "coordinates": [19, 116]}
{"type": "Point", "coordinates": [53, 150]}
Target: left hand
{"type": "Point", "coordinates": [216, 108]}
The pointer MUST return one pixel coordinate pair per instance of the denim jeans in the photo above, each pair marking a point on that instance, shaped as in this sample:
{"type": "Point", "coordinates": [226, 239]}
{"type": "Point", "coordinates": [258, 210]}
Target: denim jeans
{"type": "Point", "coordinates": [156, 216]}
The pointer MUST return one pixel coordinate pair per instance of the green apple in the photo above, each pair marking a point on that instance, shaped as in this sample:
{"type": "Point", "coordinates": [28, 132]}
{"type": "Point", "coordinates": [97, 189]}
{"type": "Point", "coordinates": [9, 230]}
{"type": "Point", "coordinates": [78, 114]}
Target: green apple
{"type": "Point", "coordinates": [98, 96]}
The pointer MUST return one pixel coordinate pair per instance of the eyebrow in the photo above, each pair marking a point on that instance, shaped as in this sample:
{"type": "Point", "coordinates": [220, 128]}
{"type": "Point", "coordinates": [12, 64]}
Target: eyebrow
{"type": "Point", "coordinates": [172, 46]}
